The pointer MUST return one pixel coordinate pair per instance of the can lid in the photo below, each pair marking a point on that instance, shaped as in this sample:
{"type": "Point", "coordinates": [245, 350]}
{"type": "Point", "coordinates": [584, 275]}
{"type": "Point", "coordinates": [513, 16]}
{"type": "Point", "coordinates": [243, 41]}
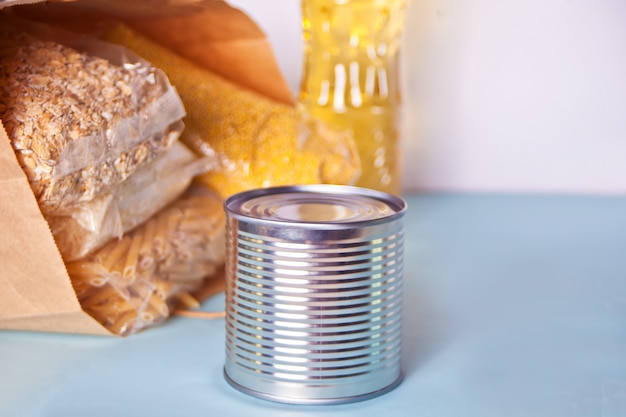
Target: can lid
{"type": "Point", "coordinates": [315, 204]}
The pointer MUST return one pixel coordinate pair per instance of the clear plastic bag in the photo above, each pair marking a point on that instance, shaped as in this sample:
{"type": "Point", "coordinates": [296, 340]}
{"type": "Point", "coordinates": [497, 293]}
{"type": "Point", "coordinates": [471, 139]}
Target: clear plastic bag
{"type": "Point", "coordinates": [82, 115]}
{"type": "Point", "coordinates": [81, 228]}
{"type": "Point", "coordinates": [258, 142]}
{"type": "Point", "coordinates": [136, 282]}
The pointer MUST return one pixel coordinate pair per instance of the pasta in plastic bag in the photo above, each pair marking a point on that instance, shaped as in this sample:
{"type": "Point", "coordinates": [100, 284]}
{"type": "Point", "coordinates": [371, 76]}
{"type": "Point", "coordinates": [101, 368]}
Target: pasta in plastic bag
{"type": "Point", "coordinates": [82, 115]}
{"type": "Point", "coordinates": [134, 283]}
{"type": "Point", "coordinates": [81, 228]}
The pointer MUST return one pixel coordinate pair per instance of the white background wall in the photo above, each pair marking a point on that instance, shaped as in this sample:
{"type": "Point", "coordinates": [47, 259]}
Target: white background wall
{"type": "Point", "coordinates": [501, 95]}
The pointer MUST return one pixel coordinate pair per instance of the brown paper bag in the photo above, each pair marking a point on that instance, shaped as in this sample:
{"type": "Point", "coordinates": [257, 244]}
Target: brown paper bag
{"type": "Point", "coordinates": [208, 32]}
{"type": "Point", "coordinates": [36, 293]}
{"type": "Point", "coordinates": [36, 290]}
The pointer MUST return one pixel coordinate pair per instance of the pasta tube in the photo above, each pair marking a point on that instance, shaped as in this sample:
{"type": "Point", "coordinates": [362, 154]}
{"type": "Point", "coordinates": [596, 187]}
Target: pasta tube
{"type": "Point", "coordinates": [185, 246]}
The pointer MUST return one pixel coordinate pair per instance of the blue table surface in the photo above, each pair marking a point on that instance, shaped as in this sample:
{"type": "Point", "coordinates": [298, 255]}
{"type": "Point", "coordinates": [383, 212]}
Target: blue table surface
{"type": "Point", "coordinates": [514, 305]}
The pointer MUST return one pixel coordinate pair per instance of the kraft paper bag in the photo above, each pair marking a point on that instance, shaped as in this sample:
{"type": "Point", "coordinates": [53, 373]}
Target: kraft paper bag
{"type": "Point", "coordinates": [211, 33]}
{"type": "Point", "coordinates": [36, 292]}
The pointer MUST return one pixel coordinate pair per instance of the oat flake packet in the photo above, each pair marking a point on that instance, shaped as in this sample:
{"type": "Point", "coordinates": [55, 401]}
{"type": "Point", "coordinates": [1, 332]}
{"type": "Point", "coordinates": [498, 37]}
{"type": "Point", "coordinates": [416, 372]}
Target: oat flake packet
{"type": "Point", "coordinates": [82, 115]}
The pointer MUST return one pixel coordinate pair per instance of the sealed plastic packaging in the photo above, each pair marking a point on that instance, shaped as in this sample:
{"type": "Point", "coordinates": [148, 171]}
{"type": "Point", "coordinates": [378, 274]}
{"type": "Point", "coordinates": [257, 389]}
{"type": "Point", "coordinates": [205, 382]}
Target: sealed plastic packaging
{"type": "Point", "coordinates": [258, 142]}
{"type": "Point", "coordinates": [81, 228]}
{"type": "Point", "coordinates": [134, 283]}
{"type": "Point", "coordinates": [82, 115]}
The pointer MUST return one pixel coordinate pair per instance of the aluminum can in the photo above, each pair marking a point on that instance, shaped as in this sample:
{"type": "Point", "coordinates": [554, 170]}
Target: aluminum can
{"type": "Point", "coordinates": [314, 293]}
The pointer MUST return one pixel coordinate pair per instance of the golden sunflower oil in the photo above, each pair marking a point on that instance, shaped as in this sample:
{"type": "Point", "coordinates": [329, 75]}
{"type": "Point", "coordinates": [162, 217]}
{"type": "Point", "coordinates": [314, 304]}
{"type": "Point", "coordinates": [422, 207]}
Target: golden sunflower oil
{"type": "Point", "coordinates": [351, 79]}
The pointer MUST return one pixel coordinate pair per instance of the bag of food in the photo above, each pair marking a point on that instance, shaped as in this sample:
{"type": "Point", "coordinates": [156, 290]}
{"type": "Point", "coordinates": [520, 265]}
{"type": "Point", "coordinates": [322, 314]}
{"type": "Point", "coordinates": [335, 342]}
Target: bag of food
{"type": "Point", "coordinates": [258, 142]}
{"type": "Point", "coordinates": [134, 283]}
{"type": "Point", "coordinates": [37, 293]}
{"type": "Point", "coordinates": [83, 227]}
{"type": "Point", "coordinates": [82, 115]}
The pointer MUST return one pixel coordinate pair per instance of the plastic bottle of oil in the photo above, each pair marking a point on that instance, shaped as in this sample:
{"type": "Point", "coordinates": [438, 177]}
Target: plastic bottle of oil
{"type": "Point", "coordinates": [351, 79]}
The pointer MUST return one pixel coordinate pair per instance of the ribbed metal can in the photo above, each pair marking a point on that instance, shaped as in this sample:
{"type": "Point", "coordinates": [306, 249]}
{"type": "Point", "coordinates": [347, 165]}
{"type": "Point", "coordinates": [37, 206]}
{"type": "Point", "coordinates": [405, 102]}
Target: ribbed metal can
{"type": "Point", "coordinates": [314, 293]}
